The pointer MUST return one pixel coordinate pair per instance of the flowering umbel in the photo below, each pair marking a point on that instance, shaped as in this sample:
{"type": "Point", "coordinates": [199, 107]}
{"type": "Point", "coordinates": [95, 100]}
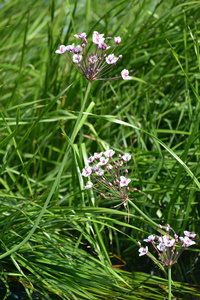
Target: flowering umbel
{"type": "Point", "coordinates": [166, 246]}
{"type": "Point", "coordinates": [107, 176]}
{"type": "Point", "coordinates": [96, 64]}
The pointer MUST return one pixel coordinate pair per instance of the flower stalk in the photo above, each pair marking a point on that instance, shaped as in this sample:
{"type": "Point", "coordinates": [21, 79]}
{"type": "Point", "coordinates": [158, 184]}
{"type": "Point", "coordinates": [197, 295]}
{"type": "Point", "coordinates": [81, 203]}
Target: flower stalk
{"type": "Point", "coordinates": [169, 282]}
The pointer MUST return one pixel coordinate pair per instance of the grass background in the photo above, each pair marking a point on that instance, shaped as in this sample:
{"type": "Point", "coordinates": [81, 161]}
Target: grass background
{"type": "Point", "coordinates": [56, 241]}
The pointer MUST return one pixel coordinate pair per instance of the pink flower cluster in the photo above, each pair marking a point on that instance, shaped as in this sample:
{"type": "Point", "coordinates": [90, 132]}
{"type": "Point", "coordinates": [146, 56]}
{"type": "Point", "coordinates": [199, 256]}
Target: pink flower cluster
{"type": "Point", "coordinates": [107, 177]}
{"type": "Point", "coordinates": [165, 245]}
{"type": "Point", "coordinates": [96, 64]}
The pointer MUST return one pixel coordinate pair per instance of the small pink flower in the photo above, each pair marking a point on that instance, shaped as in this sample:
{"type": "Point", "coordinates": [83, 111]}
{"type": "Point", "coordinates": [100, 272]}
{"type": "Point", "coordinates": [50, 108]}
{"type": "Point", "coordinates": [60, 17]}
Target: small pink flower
{"type": "Point", "coordinates": [117, 40]}
{"type": "Point", "coordinates": [97, 38]}
{"type": "Point", "coordinates": [96, 167]}
{"type": "Point", "coordinates": [103, 161]}
{"type": "Point", "coordinates": [167, 241]}
{"type": "Point", "coordinates": [78, 49]}
{"type": "Point", "coordinates": [160, 239]}
{"type": "Point", "coordinates": [109, 167]}
{"type": "Point", "coordinates": [161, 247]}
{"type": "Point", "coordinates": [87, 171]}
{"type": "Point", "coordinates": [100, 172]}
{"type": "Point", "coordinates": [125, 75]}
{"type": "Point", "coordinates": [77, 58]}
{"type": "Point", "coordinates": [109, 153]}
{"type": "Point", "coordinates": [98, 155]}
{"type": "Point", "coordinates": [189, 234]}
{"type": "Point", "coordinates": [81, 35]}
{"type": "Point", "coordinates": [143, 251]}
{"type": "Point", "coordinates": [90, 159]}
{"type": "Point", "coordinates": [70, 48]}
{"type": "Point", "coordinates": [103, 46]}
{"type": "Point", "coordinates": [186, 242]}
{"type": "Point", "coordinates": [89, 185]}
{"type": "Point", "coordinates": [124, 181]}
{"type": "Point", "coordinates": [126, 157]}
{"type": "Point", "coordinates": [111, 59]}
{"type": "Point", "coordinates": [61, 50]}
{"type": "Point", "coordinates": [151, 238]}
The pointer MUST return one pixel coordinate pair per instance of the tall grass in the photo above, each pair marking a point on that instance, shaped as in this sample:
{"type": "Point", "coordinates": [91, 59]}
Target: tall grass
{"type": "Point", "coordinates": [57, 241]}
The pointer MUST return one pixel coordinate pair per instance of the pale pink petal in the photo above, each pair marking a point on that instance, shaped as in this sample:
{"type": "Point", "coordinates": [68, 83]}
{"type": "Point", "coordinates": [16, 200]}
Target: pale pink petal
{"type": "Point", "coordinates": [61, 50]}
{"type": "Point", "coordinates": [97, 38]}
{"type": "Point", "coordinates": [109, 153]}
{"type": "Point", "coordinates": [117, 40]}
{"type": "Point", "coordinates": [124, 181]}
{"type": "Point", "coordinates": [111, 59]}
{"type": "Point", "coordinates": [151, 238]}
{"type": "Point", "coordinates": [77, 58]}
{"type": "Point", "coordinates": [81, 35]}
{"type": "Point", "coordinates": [126, 157]}
{"type": "Point", "coordinates": [125, 75]}
{"type": "Point", "coordinates": [89, 185]}
{"type": "Point", "coordinates": [143, 251]}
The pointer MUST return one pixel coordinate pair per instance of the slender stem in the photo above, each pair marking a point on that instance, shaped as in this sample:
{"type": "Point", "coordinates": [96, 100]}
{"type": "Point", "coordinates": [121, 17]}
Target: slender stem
{"type": "Point", "coordinates": [143, 214]}
{"type": "Point", "coordinates": [76, 127]}
{"type": "Point", "coordinates": [169, 283]}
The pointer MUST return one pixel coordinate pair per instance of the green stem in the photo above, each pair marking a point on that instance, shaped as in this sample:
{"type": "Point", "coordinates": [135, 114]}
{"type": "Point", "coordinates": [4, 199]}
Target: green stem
{"type": "Point", "coordinates": [76, 127]}
{"type": "Point", "coordinates": [169, 283]}
{"type": "Point", "coordinates": [143, 214]}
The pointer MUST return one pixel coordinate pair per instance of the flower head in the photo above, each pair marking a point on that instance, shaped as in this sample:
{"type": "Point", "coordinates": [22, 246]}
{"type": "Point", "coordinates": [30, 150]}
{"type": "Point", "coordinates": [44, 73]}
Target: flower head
{"type": "Point", "coordinates": [81, 35]}
{"type": "Point", "coordinates": [109, 153]}
{"type": "Point", "coordinates": [125, 75]}
{"type": "Point", "coordinates": [111, 59]}
{"type": "Point", "coordinates": [151, 238]}
{"type": "Point", "coordinates": [97, 38]}
{"type": "Point", "coordinates": [189, 234]}
{"type": "Point", "coordinates": [108, 174]}
{"type": "Point", "coordinates": [168, 256]}
{"type": "Point", "coordinates": [124, 181]}
{"type": "Point", "coordinates": [126, 157]}
{"type": "Point", "coordinates": [98, 155]}
{"type": "Point", "coordinates": [186, 242]}
{"type": "Point", "coordinates": [103, 161]}
{"type": "Point", "coordinates": [61, 50]}
{"type": "Point", "coordinates": [77, 58]}
{"type": "Point", "coordinates": [89, 185]}
{"type": "Point", "coordinates": [91, 159]}
{"type": "Point", "coordinates": [117, 40]}
{"type": "Point", "coordinates": [143, 251]}
{"type": "Point", "coordinates": [94, 65]}
{"type": "Point", "coordinates": [87, 171]}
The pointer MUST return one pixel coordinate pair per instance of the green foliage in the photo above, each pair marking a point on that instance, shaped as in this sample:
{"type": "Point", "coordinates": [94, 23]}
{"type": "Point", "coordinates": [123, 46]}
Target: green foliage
{"type": "Point", "coordinates": [56, 240]}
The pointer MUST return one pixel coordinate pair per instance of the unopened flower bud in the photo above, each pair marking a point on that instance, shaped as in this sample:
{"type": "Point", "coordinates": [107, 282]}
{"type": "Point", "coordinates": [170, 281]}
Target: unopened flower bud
{"type": "Point", "coordinates": [102, 196]}
{"type": "Point", "coordinates": [120, 56]}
